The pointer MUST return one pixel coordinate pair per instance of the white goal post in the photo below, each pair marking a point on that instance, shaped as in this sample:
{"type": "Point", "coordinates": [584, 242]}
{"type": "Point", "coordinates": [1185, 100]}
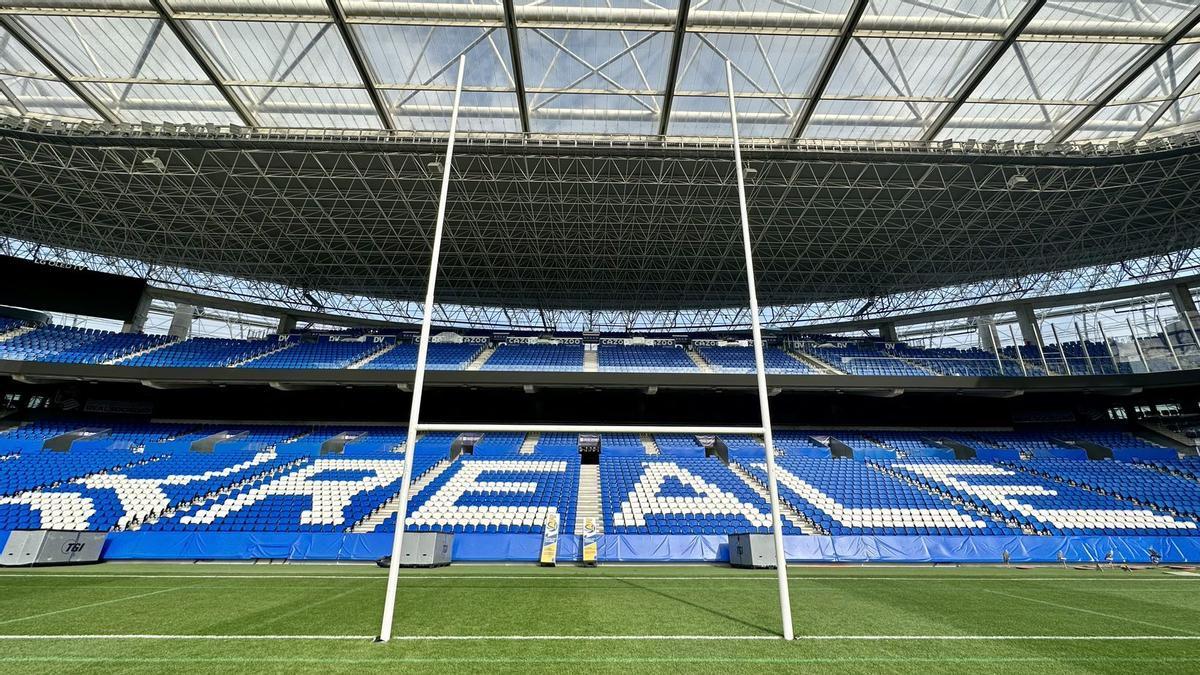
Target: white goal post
{"type": "Point", "coordinates": [415, 425]}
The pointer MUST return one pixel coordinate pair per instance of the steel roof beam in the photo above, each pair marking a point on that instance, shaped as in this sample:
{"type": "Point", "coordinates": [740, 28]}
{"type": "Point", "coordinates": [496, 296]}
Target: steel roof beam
{"type": "Point", "coordinates": [361, 66]}
{"type": "Point", "coordinates": [818, 23]}
{"type": "Point", "coordinates": [518, 72]}
{"type": "Point", "coordinates": [1181, 87]}
{"type": "Point", "coordinates": [673, 66]}
{"type": "Point", "coordinates": [27, 41]}
{"type": "Point", "coordinates": [832, 59]}
{"type": "Point", "coordinates": [983, 68]}
{"type": "Point", "coordinates": [192, 47]}
{"type": "Point", "coordinates": [1135, 69]}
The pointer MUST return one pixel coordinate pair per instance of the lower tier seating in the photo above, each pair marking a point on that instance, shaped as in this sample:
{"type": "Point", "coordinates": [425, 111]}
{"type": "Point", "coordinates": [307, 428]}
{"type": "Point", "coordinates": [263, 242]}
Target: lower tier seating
{"type": "Point", "coordinates": [682, 495]}
{"type": "Point", "coordinates": [273, 478]}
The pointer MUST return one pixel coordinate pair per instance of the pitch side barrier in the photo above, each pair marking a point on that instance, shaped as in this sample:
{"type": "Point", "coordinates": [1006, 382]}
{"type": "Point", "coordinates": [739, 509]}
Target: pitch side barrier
{"type": "Point", "coordinates": [614, 548]}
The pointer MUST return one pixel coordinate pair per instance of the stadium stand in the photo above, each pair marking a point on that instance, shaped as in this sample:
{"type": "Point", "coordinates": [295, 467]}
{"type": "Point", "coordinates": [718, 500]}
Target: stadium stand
{"type": "Point", "coordinates": [680, 495]}
{"type": "Point", "coordinates": [203, 352]}
{"type": "Point", "coordinates": [439, 357]}
{"type": "Point", "coordinates": [843, 496]}
{"type": "Point", "coordinates": [322, 353]}
{"type": "Point", "coordinates": [1136, 483]}
{"type": "Point", "coordinates": [972, 362]}
{"type": "Point", "coordinates": [273, 478]}
{"type": "Point", "coordinates": [1033, 504]}
{"type": "Point", "coordinates": [741, 360]}
{"type": "Point", "coordinates": [866, 358]}
{"type": "Point", "coordinates": [644, 358]}
{"type": "Point", "coordinates": [62, 344]}
{"type": "Point", "coordinates": [536, 357]}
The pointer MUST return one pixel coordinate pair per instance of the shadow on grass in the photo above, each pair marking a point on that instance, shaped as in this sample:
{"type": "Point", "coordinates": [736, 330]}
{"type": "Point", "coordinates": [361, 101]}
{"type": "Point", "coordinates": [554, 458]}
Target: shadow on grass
{"type": "Point", "coordinates": [695, 605]}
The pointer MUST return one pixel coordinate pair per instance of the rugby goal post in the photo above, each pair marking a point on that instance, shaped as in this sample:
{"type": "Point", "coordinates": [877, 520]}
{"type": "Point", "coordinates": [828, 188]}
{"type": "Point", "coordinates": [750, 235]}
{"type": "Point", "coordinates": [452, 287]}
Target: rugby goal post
{"type": "Point", "coordinates": [415, 426]}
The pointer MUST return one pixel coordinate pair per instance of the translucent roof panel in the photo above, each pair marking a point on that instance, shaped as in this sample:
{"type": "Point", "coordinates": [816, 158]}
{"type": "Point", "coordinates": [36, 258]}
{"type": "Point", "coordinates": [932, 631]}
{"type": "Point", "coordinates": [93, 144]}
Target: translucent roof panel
{"type": "Point", "coordinates": [878, 120]}
{"type": "Point", "coordinates": [616, 114]}
{"type": "Point", "coordinates": [900, 67]}
{"type": "Point", "coordinates": [597, 60]}
{"type": "Point", "coordinates": [270, 51]}
{"type": "Point", "coordinates": [1007, 122]}
{"type": "Point", "coordinates": [984, 9]}
{"type": "Point", "coordinates": [1160, 16]}
{"type": "Point", "coordinates": [709, 116]}
{"type": "Point", "coordinates": [113, 47]}
{"type": "Point", "coordinates": [1116, 122]}
{"type": "Point", "coordinates": [763, 64]}
{"type": "Point", "coordinates": [301, 107]}
{"type": "Point", "coordinates": [419, 56]}
{"type": "Point", "coordinates": [429, 110]}
{"type": "Point", "coordinates": [1157, 82]}
{"type": "Point", "coordinates": [178, 103]}
{"type": "Point", "coordinates": [616, 4]}
{"type": "Point", "coordinates": [1056, 71]}
{"type": "Point", "coordinates": [602, 66]}
{"type": "Point", "coordinates": [47, 97]}
{"type": "Point", "coordinates": [1184, 111]}
{"type": "Point", "coordinates": [15, 59]}
{"type": "Point", "coordinates": [835, 7]}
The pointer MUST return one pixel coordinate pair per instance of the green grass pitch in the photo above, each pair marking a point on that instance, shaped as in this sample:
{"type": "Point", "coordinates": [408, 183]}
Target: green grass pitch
{"type": "Point", "coordinates": [224, 618]}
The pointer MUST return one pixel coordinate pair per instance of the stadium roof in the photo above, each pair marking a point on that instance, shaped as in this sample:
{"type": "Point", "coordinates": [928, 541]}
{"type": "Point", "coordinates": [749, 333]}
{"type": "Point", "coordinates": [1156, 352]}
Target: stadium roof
{"type": "Point", "coordinates": [1023, 70]}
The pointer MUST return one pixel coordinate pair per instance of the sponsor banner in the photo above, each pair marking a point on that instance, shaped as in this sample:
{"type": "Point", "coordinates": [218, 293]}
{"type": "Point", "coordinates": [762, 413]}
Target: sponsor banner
{"type": "Point", "coordinates": [550, 540]}
{"type": "Point", "coordinates": [591, 541]}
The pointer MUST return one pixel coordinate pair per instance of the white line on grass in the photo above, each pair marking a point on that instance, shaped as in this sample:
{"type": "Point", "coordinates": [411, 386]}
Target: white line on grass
{"type": "Point", "coordinates": [626, 638]}
{"type": "Point", "coordinates": [89, 605]}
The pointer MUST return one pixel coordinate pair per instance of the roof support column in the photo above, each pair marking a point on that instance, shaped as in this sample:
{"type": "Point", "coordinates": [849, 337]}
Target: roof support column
{"type": "Point", "coordinates": [764, 405]}
{"type": "Point", "coordinates": [414, 413]}
{"type": "Point", "coordinates": [287, 324]}
{"type": "Point", "coordinates": [181, 321]}
{"type": "Point", "coordinates": [1031, 333]}
{"type": "Point", "coordinates": [137, 322]}
{"type": "Point", "coordinates": [887, 331]}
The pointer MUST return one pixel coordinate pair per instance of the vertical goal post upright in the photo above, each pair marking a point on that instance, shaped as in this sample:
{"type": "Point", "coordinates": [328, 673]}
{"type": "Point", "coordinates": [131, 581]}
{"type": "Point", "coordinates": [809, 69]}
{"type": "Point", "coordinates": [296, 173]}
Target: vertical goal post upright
{"type": "Point", "coordinates": [414, 414]}
{"type": "Point", "coordinates": [764, 405]}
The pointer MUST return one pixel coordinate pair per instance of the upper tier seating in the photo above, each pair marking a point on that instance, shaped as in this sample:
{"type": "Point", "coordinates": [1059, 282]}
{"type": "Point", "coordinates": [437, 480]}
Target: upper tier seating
{"type": "Point", "coordinates": [7, 324]}
{"type": "Point", "coordinates": [844, 496]}
{"type": "Point", "coordinates": [741, 360]}
{"type": "Point", "coordinates": [536, 357]}
{"type": "Point", "coordinates": [440, 356]}
{"type": "Point", "coordinates": [867, 358]}
{"type": "Point", "coordinates": [61, 344]}
{"type": "Point", "coordinates": [679, 495]}
{"type": "Point", "coordinates": [643, 358]}
{"type": "Point", "coordinates": [321, 354]}
{"type": "Point", "coordinates": [973, 362]}
{"type": "Point", "coordinates": [1035, 504]}
{"type": "Point", "coordinates": [203, 352]}
{"type": "Point", "coordinates": [1070, 356]}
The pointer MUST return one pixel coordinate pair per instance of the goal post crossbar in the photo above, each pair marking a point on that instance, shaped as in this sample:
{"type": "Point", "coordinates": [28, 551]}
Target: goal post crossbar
{"type": "Point", "coordinates": [590, 428]}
